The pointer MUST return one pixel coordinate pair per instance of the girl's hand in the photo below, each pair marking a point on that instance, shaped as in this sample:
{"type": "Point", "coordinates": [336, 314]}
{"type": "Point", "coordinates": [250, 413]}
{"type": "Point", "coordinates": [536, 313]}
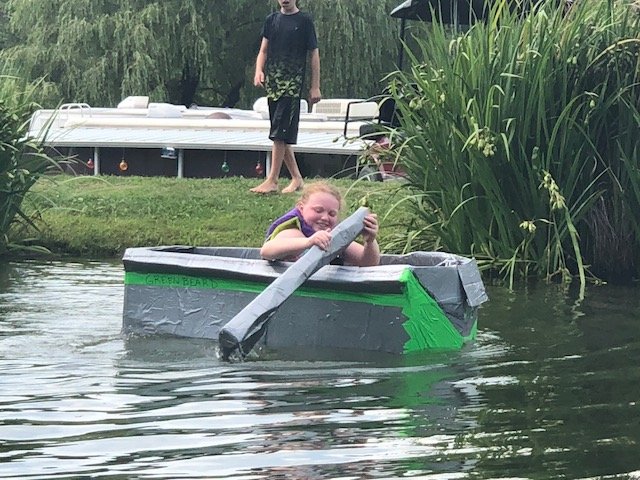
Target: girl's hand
{"type": "Point", "coordinates": [370, 230]}
{"type": "Point", "coordinates": [321, 239]}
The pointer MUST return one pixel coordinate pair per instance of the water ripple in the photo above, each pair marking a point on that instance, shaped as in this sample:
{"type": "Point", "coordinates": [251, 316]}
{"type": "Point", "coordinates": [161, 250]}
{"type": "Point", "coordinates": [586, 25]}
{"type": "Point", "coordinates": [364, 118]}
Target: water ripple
{"type": "Point", "coordinates": [549, 390]}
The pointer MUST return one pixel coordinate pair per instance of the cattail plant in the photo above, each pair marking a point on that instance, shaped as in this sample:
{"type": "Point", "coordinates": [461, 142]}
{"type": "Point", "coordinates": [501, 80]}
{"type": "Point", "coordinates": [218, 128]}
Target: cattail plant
{"type": "Point", "coordinates": [520, 140]}
{"type": "Point", "coordinates": [22, 159]}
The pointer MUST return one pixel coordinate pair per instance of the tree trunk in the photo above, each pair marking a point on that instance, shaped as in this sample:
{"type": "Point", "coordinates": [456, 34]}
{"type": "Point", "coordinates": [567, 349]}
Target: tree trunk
{"type": "Point", "coordinates": [188, 85]}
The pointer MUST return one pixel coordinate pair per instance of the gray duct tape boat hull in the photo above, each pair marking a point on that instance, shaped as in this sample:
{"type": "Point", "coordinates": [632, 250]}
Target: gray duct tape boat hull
{"type": "Point", "coordinates": [414, 302]}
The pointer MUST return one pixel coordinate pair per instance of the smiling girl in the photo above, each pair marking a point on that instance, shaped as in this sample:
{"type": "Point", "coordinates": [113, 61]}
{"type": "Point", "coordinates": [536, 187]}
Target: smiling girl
{"type": "Point", "coordinates": [310, 223]}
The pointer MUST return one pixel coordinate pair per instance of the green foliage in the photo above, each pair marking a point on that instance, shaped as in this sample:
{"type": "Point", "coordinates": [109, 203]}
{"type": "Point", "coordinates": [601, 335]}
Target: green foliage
{"type": "Point", "coordinates": [100, 51]}
{"type": "Point", "coordinates": [183, 51]}
{"type": "Point", "coordinates": [520, 140]}
{"type": "Point", "coordinates": [358, 45]}
{"type": "Point", "coordinates": [101, 216]}
{"type": "Point", "coordinates": [21, 159]}
{"type": "Point", "coordinates": [3, 26]}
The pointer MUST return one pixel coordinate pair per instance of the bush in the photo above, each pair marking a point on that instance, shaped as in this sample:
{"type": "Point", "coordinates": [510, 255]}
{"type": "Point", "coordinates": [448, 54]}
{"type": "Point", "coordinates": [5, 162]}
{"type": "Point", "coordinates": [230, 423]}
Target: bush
{"type": "Point", "coordinates": [519, 138]}
{"type": "Point", "coordinates": [22, 160]}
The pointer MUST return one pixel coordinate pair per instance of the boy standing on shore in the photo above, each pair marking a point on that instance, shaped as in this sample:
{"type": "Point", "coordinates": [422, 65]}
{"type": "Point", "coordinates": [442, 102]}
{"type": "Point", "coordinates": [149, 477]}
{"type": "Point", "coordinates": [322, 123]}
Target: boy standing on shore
{"type": "Point", "coordinates": [288, 38]}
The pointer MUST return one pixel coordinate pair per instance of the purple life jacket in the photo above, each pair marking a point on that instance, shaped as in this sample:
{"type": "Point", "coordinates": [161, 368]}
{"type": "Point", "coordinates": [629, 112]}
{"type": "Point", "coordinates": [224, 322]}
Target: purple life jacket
{"type": "Point", "coordinates": [291, 219]}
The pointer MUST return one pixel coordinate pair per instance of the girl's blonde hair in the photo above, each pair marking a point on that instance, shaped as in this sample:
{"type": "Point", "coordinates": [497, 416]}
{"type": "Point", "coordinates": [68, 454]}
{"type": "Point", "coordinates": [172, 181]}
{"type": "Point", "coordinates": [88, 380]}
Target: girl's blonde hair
{"type": "Point", "coordinates": [317, 187]}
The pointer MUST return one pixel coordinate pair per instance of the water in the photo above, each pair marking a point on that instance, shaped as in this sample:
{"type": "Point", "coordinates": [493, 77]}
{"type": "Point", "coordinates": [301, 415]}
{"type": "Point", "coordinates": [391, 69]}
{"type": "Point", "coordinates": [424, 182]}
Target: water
{"type": "Point", "coordinates": [551, 389]}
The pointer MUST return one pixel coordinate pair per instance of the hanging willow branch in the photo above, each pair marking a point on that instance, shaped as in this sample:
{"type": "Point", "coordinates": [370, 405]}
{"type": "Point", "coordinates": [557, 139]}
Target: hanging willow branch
{"type": "Point", "coordinates": [358, 44]}
{"type": "Point", "coordinates": [98, 51]}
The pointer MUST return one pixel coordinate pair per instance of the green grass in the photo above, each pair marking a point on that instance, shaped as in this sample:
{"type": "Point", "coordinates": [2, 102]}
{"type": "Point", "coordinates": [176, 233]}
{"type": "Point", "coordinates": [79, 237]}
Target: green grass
{"type": "Point", "coordinates": [98, 217]}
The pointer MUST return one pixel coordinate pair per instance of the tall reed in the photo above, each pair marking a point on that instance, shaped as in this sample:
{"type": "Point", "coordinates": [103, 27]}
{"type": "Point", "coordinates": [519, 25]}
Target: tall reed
{"type": "Point", "coordinates": [22, 160]}
{"type": "Point", "coordinates": [520, 140]}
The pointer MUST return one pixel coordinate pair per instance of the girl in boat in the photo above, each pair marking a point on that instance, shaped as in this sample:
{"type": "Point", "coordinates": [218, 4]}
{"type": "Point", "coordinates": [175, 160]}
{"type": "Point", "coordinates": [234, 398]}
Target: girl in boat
{"type": "Point", "coordinates": [310, 223]}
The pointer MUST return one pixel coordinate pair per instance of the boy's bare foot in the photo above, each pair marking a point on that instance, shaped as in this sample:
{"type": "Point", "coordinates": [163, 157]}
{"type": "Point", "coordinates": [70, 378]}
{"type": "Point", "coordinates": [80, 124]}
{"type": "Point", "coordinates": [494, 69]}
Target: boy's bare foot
{"type": "Point", "coordinates": [294, 186]}
{"type": "Point", "coordinates": [265, 187]}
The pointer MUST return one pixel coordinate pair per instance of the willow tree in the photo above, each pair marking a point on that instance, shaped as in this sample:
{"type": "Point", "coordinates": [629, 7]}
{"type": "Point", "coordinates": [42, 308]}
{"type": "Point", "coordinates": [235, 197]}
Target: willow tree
{"type": "Point", "coordinates": [358, 45]}
{"type": "Point", "coordinates": [3, 25]}
{"type": "Point", "coordinates": [99, 51]}
{"type": "Point", "coordinates": [184, 51]}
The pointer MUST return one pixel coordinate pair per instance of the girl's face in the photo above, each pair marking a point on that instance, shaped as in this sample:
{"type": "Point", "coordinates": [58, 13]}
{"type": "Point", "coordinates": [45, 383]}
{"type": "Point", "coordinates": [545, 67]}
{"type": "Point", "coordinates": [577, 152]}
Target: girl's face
{"type": "Point", "coordinates": [320, 211]}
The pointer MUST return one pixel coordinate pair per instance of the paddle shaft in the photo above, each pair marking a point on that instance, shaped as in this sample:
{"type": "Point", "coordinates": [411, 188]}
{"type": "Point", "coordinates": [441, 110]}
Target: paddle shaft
{"type": "Point", "coordinates": [244, 330]}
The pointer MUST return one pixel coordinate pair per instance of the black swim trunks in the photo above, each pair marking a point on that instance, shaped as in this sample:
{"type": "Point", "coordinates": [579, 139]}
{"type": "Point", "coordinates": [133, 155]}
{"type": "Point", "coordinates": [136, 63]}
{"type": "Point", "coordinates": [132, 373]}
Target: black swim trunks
{"type": "Point", "coordinates": [284, 114]}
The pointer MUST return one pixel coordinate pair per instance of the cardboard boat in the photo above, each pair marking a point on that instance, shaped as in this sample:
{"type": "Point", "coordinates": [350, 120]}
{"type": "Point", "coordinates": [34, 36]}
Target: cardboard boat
{"type": "Point", "coordinates": [409, 303]}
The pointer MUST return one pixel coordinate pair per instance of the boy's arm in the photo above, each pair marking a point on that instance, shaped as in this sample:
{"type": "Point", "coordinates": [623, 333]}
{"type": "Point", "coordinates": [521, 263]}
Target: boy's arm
{"type": "Point", "coordinates": [314, 91]}
{"type": "Point", "coordinates": [258, 78]}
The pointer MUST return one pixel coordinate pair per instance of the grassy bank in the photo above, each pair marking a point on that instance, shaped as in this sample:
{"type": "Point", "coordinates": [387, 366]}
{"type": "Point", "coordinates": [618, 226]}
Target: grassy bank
{"type": "Point", "coordinates": [98, 217]}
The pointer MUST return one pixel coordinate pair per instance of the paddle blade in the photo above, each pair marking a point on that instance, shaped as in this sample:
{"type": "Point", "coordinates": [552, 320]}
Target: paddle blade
{"type": "Point", "coordinates": [244, 330]}
{"type": "Point", "coordinates": [230, 345]}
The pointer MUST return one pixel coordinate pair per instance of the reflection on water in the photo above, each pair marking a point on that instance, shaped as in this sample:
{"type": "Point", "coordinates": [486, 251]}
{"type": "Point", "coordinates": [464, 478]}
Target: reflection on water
{"type": "Point", "coordinates": [549, 390]}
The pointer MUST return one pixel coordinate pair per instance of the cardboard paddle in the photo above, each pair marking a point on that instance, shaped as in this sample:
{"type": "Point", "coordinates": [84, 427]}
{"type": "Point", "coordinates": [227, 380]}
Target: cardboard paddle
{"type": "Point", "coordinates": [244, 330]}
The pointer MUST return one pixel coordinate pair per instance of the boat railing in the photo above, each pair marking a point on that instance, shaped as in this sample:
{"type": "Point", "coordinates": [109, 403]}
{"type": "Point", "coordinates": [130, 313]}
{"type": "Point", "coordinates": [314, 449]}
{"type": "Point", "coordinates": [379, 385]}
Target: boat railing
{"type": "Point", "coordinates": [80, 107]}
{"type": "Point", "coordinates": [47, 119]}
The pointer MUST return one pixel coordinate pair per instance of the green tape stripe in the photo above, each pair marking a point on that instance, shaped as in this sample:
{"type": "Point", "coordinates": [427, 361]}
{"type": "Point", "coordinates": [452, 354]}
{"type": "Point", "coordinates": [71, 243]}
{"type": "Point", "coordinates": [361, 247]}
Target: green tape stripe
{"type": "Point", "coordinates": [427, 325]}
{"type": "Point", "coordinates": [172, 280]}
